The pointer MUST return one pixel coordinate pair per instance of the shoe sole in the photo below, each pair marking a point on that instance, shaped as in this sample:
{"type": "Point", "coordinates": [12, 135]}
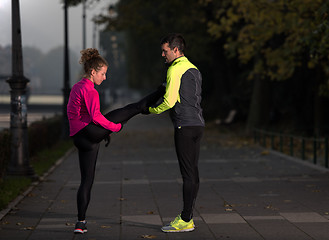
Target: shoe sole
{"type": "Point", "coordinates": [80, 231]}
{"type": "Point", "coordinates": [185, 230]}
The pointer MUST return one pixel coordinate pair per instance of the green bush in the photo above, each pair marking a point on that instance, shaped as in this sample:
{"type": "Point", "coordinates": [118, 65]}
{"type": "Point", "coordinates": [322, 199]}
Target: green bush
{"type": "Point", "coordinates": [42, 135]}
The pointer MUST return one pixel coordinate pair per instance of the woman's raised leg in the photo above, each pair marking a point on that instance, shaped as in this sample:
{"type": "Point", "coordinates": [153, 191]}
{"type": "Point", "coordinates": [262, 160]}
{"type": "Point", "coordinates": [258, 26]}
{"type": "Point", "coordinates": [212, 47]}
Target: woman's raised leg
{"type": "Point", "coordinates": [97, 133]}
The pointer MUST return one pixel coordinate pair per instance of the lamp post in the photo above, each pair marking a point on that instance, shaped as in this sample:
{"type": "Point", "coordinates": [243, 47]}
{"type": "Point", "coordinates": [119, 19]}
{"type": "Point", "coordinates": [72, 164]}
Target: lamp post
{"type": "Point", "coordinates": [94, 32]}
{"type": "Point", "coordinates": [19, 157]}
{"type": "Point", "coordinates": [83, 24]}
{"type": "Point", "coordinates": [66, 84]}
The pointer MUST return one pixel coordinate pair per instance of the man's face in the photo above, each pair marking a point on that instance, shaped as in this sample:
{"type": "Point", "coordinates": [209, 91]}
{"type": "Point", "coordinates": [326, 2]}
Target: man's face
{"type": "Point", "coordinates": [168, 54]}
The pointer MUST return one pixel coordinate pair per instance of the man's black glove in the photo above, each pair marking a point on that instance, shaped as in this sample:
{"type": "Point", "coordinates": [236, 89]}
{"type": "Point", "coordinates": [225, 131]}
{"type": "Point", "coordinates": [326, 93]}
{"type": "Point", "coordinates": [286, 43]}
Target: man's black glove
{"type": "Point", "coordinates": [107, 140]}
{"type": "Point", "coordinates": [145, 111]}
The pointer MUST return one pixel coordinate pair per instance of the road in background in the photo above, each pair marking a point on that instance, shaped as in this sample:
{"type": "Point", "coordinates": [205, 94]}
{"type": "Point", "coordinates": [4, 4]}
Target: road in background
{"type": "Point", "coordinates": [39, 107]}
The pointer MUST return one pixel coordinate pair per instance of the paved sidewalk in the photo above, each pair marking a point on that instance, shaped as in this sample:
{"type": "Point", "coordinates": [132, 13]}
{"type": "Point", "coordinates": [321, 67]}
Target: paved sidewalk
{"type": "Point", "coordinates": [245, 193]}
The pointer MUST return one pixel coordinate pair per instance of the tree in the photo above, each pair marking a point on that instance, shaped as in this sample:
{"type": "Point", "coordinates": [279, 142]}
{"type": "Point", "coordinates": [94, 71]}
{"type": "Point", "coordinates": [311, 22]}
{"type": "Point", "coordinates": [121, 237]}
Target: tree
{"type": "Point", "coordinates": [147, 21]}
{"type": "Point", "coordinates": [277, 39]}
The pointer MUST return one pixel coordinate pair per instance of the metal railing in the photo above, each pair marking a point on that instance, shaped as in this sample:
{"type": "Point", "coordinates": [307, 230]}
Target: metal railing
{"type": "Point", "coordinates": [306, 148]}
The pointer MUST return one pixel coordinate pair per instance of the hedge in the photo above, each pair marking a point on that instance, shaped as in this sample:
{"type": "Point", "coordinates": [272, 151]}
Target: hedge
{"type": "Point", "coordinates": [41, 135]}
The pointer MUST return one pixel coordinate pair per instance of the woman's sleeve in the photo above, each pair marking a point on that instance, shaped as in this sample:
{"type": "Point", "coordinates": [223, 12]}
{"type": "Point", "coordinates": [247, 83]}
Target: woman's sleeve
{"type": "Point", "coordinates": [93, 108]}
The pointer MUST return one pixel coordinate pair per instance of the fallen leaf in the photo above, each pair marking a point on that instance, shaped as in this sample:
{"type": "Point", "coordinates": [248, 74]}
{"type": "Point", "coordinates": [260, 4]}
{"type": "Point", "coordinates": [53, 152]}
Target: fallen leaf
{"type": "Point", "coordinates": [150, 212]}
{"type": "Point", "coordinates": [104, 226]}
{"type": "Point", "coordinates": [28, 228]}
{"type": "Point", "coordinates": [19, 224]}
{"type": "Point", "coordinates": [69, 224]}
{"type": "Point", "coordinates": [265, 152]}
{"type": "Point", "coordinates": [122, 199]}
{"type": "Point", "coordinates": [226, 204]}
{"type": "Point", "coordinates": [148, 236]}
{"type": "Point", "coordinates": [228, 209]}
{"type": "Point", "coordinates": [270, 207]}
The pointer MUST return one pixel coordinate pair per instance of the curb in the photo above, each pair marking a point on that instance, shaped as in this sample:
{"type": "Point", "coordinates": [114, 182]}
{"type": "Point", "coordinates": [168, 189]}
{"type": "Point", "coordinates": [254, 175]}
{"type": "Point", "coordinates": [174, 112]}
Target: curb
{"type": "Point", "coordinates": [300, 161]}
{"type": "Point", "coordinates": [20, 197]}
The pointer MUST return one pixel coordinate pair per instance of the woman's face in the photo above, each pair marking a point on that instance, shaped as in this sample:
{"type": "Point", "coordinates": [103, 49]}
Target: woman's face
{"type": "Point", "coordinates": [97, 77]}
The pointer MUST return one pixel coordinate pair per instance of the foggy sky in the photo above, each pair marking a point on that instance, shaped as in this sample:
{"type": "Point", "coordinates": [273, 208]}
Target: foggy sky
{"type": "Point", "coordinates": [42, 23]}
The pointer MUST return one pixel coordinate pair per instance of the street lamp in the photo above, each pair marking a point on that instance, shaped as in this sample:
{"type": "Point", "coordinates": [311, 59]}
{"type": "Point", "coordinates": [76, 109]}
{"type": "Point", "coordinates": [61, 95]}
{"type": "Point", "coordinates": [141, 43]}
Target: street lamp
{"type": "Point", "coordinates": [83, 24]}
{"type": "Point", "coordinates": [19, 154]}
{"type": "Point", "coordinates": [66, 84]}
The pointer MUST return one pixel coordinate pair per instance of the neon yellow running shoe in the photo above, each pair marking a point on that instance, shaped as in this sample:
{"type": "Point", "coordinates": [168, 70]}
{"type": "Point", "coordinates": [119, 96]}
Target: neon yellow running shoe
{"type": "Point", "coordinates": [179, 225]}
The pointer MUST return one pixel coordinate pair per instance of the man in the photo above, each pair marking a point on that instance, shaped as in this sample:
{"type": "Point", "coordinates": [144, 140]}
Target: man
{"type": "Point", "coordinates": [183, 98]}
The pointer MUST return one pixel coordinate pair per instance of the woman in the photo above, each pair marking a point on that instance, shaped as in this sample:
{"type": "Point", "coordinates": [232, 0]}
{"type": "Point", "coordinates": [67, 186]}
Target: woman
{"type": "Point", "coordinates": [88, 127]}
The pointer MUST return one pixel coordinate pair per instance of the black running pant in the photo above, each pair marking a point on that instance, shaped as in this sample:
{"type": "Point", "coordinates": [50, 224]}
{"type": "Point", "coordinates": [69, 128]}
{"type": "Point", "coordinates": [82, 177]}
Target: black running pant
{"type": "Point", "coordinates": [187, 144]}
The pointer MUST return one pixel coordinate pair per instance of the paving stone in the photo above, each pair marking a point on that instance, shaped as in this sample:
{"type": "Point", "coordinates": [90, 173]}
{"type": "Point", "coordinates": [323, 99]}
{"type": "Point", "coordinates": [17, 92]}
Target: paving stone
{"type": "Point", "coordinates": [243, 193]}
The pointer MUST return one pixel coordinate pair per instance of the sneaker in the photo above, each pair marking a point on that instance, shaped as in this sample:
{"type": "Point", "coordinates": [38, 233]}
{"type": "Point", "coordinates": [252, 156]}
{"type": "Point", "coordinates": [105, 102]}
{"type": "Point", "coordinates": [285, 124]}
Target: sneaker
{"type": "Point", "coordinates": [80, 227]}
{"type": "Point", "coordinates": [179, 225]}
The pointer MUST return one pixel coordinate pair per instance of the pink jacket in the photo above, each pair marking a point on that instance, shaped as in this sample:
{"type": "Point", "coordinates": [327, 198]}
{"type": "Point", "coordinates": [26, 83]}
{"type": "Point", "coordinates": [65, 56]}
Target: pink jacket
{"type": "Point", "coordinates": [83, 108]}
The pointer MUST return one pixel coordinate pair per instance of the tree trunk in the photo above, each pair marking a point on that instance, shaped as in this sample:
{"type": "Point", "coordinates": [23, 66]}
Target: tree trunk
{"type": "Point", "coordinates": [319, 106]}
{"type": "Point", "coordinates": [259, 106]}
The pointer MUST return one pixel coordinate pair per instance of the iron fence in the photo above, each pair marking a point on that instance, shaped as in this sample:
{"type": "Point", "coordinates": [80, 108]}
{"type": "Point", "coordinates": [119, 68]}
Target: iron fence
{"type": "Point", "coordinates": [314, 149]}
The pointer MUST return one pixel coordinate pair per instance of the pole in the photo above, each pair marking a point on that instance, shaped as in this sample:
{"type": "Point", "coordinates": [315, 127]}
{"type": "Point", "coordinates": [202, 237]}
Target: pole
{"type": "Point", "coordinates": [84, 24]}
{"type": "Point", "coordinates": [66, 87]}
{"type": "Point", "coordinates": [94, 33]}
{"type": "Point", "coordinates": [19, 157]}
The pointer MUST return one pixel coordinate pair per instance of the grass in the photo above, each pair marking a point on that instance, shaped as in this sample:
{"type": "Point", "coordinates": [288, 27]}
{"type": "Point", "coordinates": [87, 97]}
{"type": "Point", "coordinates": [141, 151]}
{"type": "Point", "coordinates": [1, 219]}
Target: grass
{"type": "Point", "coordinates": [46, 158]}
{"type": "Point", "coordinates": [11, 187]}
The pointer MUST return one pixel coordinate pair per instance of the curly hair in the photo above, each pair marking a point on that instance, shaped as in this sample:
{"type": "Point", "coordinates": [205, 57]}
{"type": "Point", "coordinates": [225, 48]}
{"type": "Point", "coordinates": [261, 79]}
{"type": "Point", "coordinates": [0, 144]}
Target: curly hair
{"type": "Point", "coordinates": [91, 59]}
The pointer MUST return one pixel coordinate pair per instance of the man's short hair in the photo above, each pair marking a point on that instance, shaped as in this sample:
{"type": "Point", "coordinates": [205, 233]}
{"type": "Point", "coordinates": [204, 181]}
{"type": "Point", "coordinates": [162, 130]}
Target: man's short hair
{"type": "Point", "coordinates": [174, 40]}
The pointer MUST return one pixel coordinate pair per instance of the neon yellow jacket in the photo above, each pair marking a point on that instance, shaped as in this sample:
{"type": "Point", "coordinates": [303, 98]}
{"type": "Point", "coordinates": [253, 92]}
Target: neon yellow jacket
{"type": "Point", "coordinates": [174, 75]}
{"type": "Point", "coordinates": [184, 98]}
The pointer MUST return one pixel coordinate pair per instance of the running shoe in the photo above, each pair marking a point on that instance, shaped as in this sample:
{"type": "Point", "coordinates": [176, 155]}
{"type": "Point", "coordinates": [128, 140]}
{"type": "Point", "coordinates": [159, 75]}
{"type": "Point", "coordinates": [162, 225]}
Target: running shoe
{"type": "Point", "coordinates": [80, 227]}
{"type": "Point", "coordinates": [179, 225]}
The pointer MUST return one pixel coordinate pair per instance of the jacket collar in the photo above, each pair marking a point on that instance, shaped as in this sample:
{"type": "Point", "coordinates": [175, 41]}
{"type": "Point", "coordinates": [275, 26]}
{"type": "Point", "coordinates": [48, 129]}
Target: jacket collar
{"type": "Point", "coordinates": [175, 61]}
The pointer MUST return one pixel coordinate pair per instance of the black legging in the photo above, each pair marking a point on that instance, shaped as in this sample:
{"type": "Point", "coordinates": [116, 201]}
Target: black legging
{"type": "Point", "coordinates": [88, 140]}
{"type": "Point", "coordinates": [97, 133]}
{"type": "Point", "coordinates": [187, 144]}
{"type": "Point", "coordinates": [88, 152]}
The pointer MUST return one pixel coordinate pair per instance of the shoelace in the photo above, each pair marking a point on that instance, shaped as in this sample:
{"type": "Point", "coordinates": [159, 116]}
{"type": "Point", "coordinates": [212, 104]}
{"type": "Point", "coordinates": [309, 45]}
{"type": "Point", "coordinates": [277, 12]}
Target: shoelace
{"type": "Point", "coordinates": [175, 220]}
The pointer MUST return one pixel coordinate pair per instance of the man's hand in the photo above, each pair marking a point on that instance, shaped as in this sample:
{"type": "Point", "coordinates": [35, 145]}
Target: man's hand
{"type": "Point", "coordinates": [145, 111]}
